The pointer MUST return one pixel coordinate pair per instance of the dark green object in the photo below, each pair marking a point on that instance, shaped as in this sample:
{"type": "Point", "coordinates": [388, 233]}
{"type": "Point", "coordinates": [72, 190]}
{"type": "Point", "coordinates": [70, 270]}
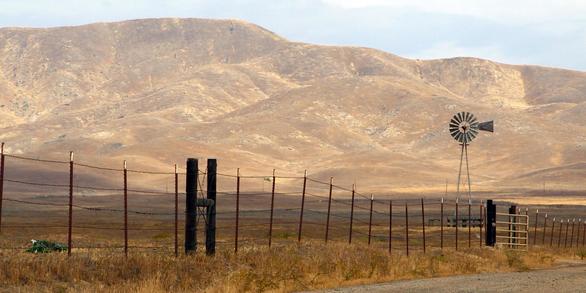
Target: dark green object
{"type": "Point", "coordinates": [45, 246]}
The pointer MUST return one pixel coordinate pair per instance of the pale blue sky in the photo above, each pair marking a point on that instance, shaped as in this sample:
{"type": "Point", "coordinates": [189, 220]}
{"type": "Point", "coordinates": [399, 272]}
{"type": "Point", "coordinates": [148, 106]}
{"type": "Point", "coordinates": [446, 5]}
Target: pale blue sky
{"type": "Point", "coordinates": [542, 32]}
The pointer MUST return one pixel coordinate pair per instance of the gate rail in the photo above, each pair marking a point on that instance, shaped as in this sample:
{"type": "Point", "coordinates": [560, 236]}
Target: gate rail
{"type": "Point", "coordinates": [513, 232]}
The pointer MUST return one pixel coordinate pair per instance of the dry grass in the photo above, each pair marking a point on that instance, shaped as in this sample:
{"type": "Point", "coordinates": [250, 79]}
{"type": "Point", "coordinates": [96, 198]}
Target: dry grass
{"type": "Point", "coordinates": [282, 269]}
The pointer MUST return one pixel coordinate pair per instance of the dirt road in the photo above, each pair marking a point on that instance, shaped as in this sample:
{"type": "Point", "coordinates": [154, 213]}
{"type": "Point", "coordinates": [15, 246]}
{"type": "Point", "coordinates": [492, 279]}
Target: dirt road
{"type": "Point", "coordinates": [564, 279]}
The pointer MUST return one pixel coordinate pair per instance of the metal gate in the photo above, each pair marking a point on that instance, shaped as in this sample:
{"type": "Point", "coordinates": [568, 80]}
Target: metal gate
{"type": "Point", "coordinates": [512, 230]}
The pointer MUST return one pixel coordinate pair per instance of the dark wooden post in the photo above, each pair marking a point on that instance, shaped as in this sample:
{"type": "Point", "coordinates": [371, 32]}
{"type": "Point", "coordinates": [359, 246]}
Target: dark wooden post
{"type": "Point", "coordinates": [390, 225]}
{"type": "Point", "coordinates": [544, 229]}
{"type": "Point", "coordinates": [370, 218]}
{"type": "Point", "coordinates": [1, 182]}
{"type": "Point", "coordinates": [176, 177]}
{"type": "Point", "coordinates": [237, 209]}
{"type": "Point", "coordinates": [469, 223]}
{"type": "Point", "coordinates": [302, 206]}
{"type": "Point", "coordinates": [566, 234]}
{"type": "Point", "coordinates": [551, 235]}
{"type": "Point", "coordinates": [272, 210]}
{"type": "Point", "coordinates": [125, 210]}
{"type": "Point", "coordinates": [212, 168]}
{"type": "Point", "coordinates": [407, 228]}
{"type": "Point", "coordinates": [584, 234]}
{"type": "Point", "coordinates": [329, 208]}
{"type": "Point", "coordinates": [352, 213]}
{"type": "Point", "coordinates": [490, 223]}
{"type": "Point", "coordinates": [423, 222]}
{"type": "Point", "coordinates": [191, 206]}
{"type": "Point", "coordinates": [70, 226]}
{"type": "Point", "coordinates": [457, 220]}
{"type": "Point", "coordinates": [442, 224]}
{"type": "Point", "coordinates": [536, 223]}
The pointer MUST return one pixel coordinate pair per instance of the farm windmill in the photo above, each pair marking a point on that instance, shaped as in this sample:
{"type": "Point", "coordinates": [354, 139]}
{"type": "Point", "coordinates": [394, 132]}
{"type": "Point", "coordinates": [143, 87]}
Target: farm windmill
{"type": "Point", "coordinates": [464, 128]}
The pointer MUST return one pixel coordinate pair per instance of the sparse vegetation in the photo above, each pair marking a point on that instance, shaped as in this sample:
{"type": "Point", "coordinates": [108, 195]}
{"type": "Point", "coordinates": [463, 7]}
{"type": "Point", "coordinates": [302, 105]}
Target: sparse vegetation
{"type": "Point", "coordinates": [283, 268]}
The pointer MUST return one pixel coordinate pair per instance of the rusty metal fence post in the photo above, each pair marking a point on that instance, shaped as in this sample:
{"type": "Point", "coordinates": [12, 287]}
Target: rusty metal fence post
{"type": "Point", "coordinates": [329, 209]}
{"type": "Point", "coordinates": [70, 226]}
{"type": "Point", "coordinates": [370, 219]}
{"type": "Point", "coordinates": [390, 225]}
{"type": "Point", "coordinates": [456, 223]}
{"type": "Point", "coordinates": [125, 174]}
{"type": "Point", "coordinates": [352, 213]}
{"type": "Point", "coordinates": [237, 209]}
{"type": "Point", "coordinates": [176, 177]}
{"type": "Point", "coordinates": [272, 210]}
{"type": "Point", "coordinates": [1, 182]}
{"type": "Point", "coordinates": [406, 228]}
{"type": "Point", "coordinates": [302, 206]}
{"type": "Point", "coordinates": [442, 224]}
{"type": "Point", "coordinates": [423, 223]}
{"type": "Point", "coordinates": [469, 223]}
{"type": "Point", "coordinates": [544, 229]}
{"type": "Point", "coordinates": [536, 223]}
{"type": "Point", "coordinates": [551, 234]}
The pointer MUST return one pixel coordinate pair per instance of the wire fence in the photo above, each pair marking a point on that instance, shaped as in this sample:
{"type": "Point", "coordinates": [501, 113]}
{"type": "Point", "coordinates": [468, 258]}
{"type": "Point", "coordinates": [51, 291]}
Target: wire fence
{"type": "Point", "coordinates": [122, 209]}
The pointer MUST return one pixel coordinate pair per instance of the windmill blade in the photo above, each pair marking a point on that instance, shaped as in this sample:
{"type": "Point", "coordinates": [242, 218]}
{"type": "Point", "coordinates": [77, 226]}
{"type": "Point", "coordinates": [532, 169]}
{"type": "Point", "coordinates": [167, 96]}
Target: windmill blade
{"type": "Point", "coordinates": [486, 126]}
{"type": "Point", "coordinates": [460, 117]}
{"type": "Point", "coordinates": [458, 136]}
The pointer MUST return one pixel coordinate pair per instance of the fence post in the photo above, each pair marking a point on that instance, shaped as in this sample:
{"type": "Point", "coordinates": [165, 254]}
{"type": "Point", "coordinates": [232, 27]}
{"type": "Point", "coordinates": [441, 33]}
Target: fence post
{"type": "Point", "coordinates": [578, 233]}
{"type": "Point", "coordinates": [370, 218]}
{"type": "Point", "coordinates": [176, 177]}
{"type": "Point", "coordinates": [566, 234]}
{"type": "Point", "coordinates": [536, 223]}
{"type": "Point", "coordinates": [481, 213]}
{"type": "Point", "coordinates": [572, 235]}
{"type": "Point", "coordinates": [390, 224]}
{"type": "Point", "coordinates": [211, 184]}
{"type": "Point", "coordinates": [1, 181]}
{"type": "Point", "coordinates": [442, 224]}
{"type": "Point", "coordinates": [329, 209]}
{"type": "Point", "coordinates": [352, 213]}
{"type": "Point", "coordinates": [469, 223]}
{"type": "Point", "coordinates": [70, 229]}
{"type": "Point", "coordinates": [407, 228]}
{"type": "Point", "coordinates": [302, 206]}
{"type": "Point", "coordinates": [512, 227]}
{"type": "Point", "coordinates": [423, 223]}
{"type": "Point", "coordinates": [457, 220]}
{"type": "Point", "coordinates": [490, 223]}
{"type": "Point", "coordinates": [551, 235]}
{"type": "Point", "coordinates": [272, 210]}
{"type": "Point", "coordinates": [191, 205]}
{"type": "Point", "coordinates": [125, 210]}
{"type": "Point", "coordinates": [544, 229]}
{"type": "Point", "coordinates": [237, 209]}
{"type": "Point", "coordinates": [560, 233]}
{"type": "Point", "coordinates": [584, 233]}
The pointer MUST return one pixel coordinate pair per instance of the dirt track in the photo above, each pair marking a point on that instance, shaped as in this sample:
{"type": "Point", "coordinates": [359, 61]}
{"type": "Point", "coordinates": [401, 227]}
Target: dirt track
{"type": "Point", "coordinates": [564, 279]}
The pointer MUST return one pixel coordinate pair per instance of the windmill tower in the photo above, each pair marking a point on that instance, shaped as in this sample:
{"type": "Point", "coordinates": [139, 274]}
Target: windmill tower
{"type": "Point", "coordinates": [464, 128]}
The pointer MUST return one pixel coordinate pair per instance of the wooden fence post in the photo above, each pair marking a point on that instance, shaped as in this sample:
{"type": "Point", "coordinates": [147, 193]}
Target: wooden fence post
{"type": "Point", "coordinates": [272, 209]}
{"type": "Point", "coordinates": [442, 224]}
{"type": "Point", "coordinates": [352, 213]}
{"type": "Point", "coordinates": [390, 225]}
{"type": "Point", "coordinates": [70, 226]}
{"type": "Point", "coordinates": [481, 213]}
{"type": "Point", "coordinates": [125, 210]}
{"type": "Point", "coordinates": [370, 218]}
{"type": "Point", "coordinates": [176, 177]}
{"type": "Point", "coordinates": [191, 205]}
{"type": "Point", "coordinates": [423, 223]}
{"type": "Point", "coordinates": [211, 195]}
{"type": "Point", "coordinates": [407, 228]}
{"type": "Point", "coordinates": [329, 209]}
{"type": "Point", "coordinates": [237, 209]}
{"type": "Point", "coordinates": [1, 182]}
{"type": "Point", "coordinates": [302, 206]}
{"type": "Point", "coordinates": [490, 231]}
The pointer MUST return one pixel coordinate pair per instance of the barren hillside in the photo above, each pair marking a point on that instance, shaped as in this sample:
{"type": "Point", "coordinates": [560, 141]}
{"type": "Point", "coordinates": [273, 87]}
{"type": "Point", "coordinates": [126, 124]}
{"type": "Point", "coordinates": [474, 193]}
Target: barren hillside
{"type": "Point", "coordinates": [156, 91]}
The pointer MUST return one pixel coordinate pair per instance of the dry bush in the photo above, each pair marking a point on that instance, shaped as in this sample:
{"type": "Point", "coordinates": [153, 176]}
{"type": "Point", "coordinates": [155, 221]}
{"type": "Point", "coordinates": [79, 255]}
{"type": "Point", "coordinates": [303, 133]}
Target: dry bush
{"type": "Point", "coordinates": [283, 268]}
